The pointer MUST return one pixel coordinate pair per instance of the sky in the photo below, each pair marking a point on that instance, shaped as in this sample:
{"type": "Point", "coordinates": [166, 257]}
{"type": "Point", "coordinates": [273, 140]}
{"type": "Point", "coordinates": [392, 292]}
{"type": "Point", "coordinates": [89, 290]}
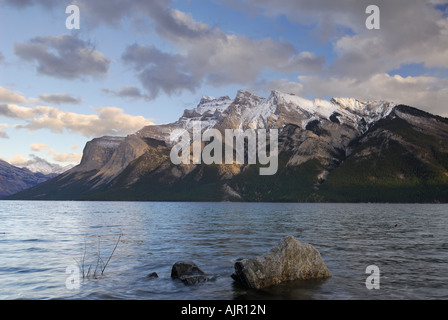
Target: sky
{"type": "Point", "coordinates": [143, 62]}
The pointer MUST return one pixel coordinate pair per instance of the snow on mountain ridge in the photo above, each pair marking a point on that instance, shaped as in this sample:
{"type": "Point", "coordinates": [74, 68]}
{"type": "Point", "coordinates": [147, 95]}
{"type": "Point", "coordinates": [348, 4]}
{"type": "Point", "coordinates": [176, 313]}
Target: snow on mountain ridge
{"type": "Point", "coordinates": [250, 111]}
{"type": "Point", "coordinates": [326, 108]}
{"type": "Point", "coordinates": [207, 112]}
{"type": "Point", "coordinates": [39, 165]}
{"type": "Point", "coordinates": [211, 105]}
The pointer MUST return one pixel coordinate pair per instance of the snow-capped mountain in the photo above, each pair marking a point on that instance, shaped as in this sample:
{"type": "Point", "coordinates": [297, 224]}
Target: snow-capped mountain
{"type": "Point", "coordinates": [250, 111]}
{"type": "Point", "coordinates": [14, 179]}
{"type": "Point", "coordinates": [208, 112]}
{"type": "Point", "coordinates": [342, 143]}
{"type": "Point", "coordinates": [37, 164]}
{"type": "Point", "coordinates": [280, 109]}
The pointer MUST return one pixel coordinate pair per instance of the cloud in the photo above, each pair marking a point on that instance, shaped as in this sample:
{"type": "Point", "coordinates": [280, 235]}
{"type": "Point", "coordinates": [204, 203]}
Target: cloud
{"type": "Point", "coordinates": [412, 31]}
{"type": "Point", "coordinates": [26, 3]}
{"type": "Point", "coordinates": [282, 85]}
{"type": "Point", "coordinates": [64, 57]}
{"type": "Point", "coordinates": [18, 160]}
{"type": "Point", "coordinates": [127, 92]}
{"type": "Point", "coordinates": [10, 96]}
{"type": "Point", "coordinates": [109, 12]}
{"type": "Point", "coordinates": [105, 121]}
{"type": "Point", "coordinates": [3, 134]}
{"type": "Point", "coordinates": [38, 147]}
{"type": "Point", "coordinates": [214, 58]}
{"type": "Point", "coordinates": [2, 57]}
{"type": "Point", "coordinates": [159, 71]}
{"type": "Point", "coordinates": [66, 157]}
{"type": "Point", "coordinates": [59, 98]}
{"type": "Point", "coordinates": [363, 62]}
{"type": "Point", "coordinates": [14, 111]}
{"type": "Point", "coordinates": [425, 92]}
{"type": "Point", "coordinates": [202, 54]}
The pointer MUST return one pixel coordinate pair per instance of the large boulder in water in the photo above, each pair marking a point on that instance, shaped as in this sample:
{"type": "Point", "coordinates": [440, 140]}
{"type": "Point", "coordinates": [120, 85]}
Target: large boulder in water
{"type": "Point", "coordinates": [290, 260]}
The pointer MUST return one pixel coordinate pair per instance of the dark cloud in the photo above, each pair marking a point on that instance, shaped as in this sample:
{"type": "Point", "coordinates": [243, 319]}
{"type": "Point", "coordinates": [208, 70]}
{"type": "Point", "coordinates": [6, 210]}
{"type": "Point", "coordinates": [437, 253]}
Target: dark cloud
{"type": "Point", "coordinates": [59, 98]}
{"type": "Point", "coordinates": [27, 3]}
{"type": "Point", "coordinates": [3, 134]}
{"type": "Point", "coordinates": [216, 60]}
{"type": "Point", "coordinates": [64, 57]}
{"type": "Point", "coordinates": [159, 71]}
{"type": "Point", "coordinates": [209, 55]}
{"type": "Point", "coordinates": [126, 92]}
{"type": "Point", "coordinates": [97, 12]}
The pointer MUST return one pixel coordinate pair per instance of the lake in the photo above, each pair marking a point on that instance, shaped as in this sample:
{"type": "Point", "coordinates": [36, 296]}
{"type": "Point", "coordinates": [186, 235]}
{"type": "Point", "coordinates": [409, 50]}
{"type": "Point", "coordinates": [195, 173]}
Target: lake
{"type": "Point", "coordinates": [40, 240]}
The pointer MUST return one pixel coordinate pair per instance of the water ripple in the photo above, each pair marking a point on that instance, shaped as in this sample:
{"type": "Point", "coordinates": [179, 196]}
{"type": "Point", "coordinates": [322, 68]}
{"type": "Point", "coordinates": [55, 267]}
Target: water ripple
{"type": "Point", "coordinates": [40, 240]}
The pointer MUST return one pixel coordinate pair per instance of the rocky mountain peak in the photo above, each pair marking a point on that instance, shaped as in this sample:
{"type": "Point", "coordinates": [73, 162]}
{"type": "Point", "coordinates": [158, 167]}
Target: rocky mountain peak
{"type": "Point", "coordinates": [336, 150]}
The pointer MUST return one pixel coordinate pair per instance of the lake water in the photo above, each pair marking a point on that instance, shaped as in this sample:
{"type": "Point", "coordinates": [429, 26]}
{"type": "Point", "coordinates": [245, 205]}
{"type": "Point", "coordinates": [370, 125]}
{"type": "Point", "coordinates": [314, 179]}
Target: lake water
{"type": "Point", "coordinates": [39, 240]}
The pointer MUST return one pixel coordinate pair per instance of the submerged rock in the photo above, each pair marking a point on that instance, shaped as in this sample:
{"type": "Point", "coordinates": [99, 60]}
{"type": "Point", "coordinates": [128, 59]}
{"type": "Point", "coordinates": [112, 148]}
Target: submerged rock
{"type": "Point", "coordinates": [290, 260]}
{"type": "Point", "coordinates": [152, 275]}
{"type": "Point", "coordinates": [188, 272]}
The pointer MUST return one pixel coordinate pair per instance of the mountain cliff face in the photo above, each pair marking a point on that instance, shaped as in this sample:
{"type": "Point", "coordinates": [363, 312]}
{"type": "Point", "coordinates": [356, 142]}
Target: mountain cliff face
{"type": "Point", "coordinates": [338, 150]}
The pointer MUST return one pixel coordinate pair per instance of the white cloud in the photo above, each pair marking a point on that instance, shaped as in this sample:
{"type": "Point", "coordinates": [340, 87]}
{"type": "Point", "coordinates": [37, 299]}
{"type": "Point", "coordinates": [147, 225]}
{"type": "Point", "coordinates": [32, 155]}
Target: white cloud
{"type": "Point", "coordinates": [66, 157]}
{"type": "Point", "coordinates": [105, 121]}
{"type": "Point", "coordinates": [427, 93]}
{"type": "Point", "coordinates": [38, 146]}
{"type": "Point", "coordinates": [412, 31]}
{"type": "Point", "coordinates": [9, 96]}
{"type": "Point", "coordinates": [18, 160]}
{"type": "Point", "coordinates": [16, 112]}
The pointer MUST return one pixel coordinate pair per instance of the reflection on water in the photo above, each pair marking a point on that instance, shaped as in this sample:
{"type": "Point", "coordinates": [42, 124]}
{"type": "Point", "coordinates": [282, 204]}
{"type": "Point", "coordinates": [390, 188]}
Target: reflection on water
{"type": "Point", "coordinates": [39, 240]}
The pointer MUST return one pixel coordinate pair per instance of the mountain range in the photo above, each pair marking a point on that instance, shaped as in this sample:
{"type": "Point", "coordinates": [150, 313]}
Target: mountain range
{"type": "Point", "coordinates": [39, 165]}
{"type": "Point", "coordinates": [342, 150]}
{"type": "Point", "coordinates": [14, 179]}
